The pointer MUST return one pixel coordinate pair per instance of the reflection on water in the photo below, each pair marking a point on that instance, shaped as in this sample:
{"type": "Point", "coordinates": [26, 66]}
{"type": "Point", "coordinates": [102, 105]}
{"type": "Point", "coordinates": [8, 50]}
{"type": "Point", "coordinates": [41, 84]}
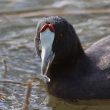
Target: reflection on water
{"type": "Point", "coordinates": [17, 46]}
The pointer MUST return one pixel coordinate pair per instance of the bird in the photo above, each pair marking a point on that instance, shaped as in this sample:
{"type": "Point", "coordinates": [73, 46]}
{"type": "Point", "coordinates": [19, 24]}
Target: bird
{"type": "Point", "coordinates": [74, 73]}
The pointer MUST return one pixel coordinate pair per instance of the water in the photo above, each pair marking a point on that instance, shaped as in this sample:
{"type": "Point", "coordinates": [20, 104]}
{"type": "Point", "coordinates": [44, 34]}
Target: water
{"type": "Point", "coordinates": [18, 20]}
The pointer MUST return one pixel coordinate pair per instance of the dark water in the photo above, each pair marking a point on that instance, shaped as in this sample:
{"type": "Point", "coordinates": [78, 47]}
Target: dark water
{"type": "Point", "coordinates": [17, 31]}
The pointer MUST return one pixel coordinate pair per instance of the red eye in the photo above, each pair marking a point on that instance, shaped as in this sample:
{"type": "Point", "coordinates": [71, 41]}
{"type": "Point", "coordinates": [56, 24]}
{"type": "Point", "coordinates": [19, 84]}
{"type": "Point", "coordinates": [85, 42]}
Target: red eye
{"type": "Point", "coordinates": [45, 26]}
{"type": "Point", "coordinates": [61, 34]}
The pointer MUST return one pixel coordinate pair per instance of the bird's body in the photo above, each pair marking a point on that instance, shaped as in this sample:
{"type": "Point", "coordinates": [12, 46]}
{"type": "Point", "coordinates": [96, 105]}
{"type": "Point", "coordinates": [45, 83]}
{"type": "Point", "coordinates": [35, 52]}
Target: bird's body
{"type": "Point", "coordinates": [89, 80]}
{"type": "Point", "coordinates": [75, 73]}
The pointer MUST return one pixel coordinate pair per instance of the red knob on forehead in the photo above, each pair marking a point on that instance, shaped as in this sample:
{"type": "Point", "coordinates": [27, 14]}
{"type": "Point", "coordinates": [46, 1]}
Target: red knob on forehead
{"type": "Point", "coordinates": [45, 26]}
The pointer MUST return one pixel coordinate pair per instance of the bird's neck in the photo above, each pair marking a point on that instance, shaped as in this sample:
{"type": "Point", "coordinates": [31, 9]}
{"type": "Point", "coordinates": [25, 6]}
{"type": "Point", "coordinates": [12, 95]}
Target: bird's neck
{"type": "Point", "coordinates": [71, 61]}
{"type": "Point", "coordinates": [83, 66]}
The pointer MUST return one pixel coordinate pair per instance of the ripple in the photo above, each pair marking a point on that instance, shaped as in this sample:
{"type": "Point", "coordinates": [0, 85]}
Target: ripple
{"type": "Point", "coordinates": [91, 20]}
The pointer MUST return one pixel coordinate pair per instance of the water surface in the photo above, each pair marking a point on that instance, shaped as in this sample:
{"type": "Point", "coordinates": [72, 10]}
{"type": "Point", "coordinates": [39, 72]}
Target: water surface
{"type": "Point", "coordinates": [18, 20]}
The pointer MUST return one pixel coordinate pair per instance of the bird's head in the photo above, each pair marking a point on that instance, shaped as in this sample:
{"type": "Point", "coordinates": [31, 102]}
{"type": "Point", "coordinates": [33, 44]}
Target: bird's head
{"type": "Point", "coordinates": [56, 42]}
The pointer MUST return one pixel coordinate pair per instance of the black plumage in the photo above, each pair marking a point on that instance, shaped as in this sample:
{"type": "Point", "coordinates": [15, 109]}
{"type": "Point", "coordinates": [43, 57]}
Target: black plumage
{"type": "Point", "coordinates": [75, 73]}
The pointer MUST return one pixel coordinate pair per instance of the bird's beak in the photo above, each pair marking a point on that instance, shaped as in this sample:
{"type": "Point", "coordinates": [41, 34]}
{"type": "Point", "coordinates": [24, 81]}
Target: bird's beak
{"type": "Point", "coordinates": [47, 55]}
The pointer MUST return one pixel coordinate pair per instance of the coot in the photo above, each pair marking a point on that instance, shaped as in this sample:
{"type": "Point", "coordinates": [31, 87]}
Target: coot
{"type": "Point", "coordinates": [73, 72]}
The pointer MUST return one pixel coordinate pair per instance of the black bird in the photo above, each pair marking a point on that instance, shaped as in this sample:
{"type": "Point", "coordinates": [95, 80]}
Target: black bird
{"type": "Point", "coordinates": [73, 72]}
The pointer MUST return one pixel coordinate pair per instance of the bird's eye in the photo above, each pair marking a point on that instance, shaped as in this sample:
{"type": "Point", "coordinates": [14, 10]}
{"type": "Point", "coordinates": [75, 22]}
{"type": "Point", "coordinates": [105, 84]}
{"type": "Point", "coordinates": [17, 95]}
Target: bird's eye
{"type": "Point", "coordinates": [61, 35]}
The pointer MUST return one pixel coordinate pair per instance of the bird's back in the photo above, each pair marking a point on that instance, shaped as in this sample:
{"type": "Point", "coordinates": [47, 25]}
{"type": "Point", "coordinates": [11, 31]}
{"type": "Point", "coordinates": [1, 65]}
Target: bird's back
{"type": "Point", "coordinates": [99, 53]}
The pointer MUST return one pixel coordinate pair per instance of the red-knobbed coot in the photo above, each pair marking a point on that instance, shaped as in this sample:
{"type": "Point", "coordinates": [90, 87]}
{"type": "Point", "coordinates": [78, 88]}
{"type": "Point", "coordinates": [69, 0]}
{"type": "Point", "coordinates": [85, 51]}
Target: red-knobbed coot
{"type": "Point", "coordinates": [73, 72]}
